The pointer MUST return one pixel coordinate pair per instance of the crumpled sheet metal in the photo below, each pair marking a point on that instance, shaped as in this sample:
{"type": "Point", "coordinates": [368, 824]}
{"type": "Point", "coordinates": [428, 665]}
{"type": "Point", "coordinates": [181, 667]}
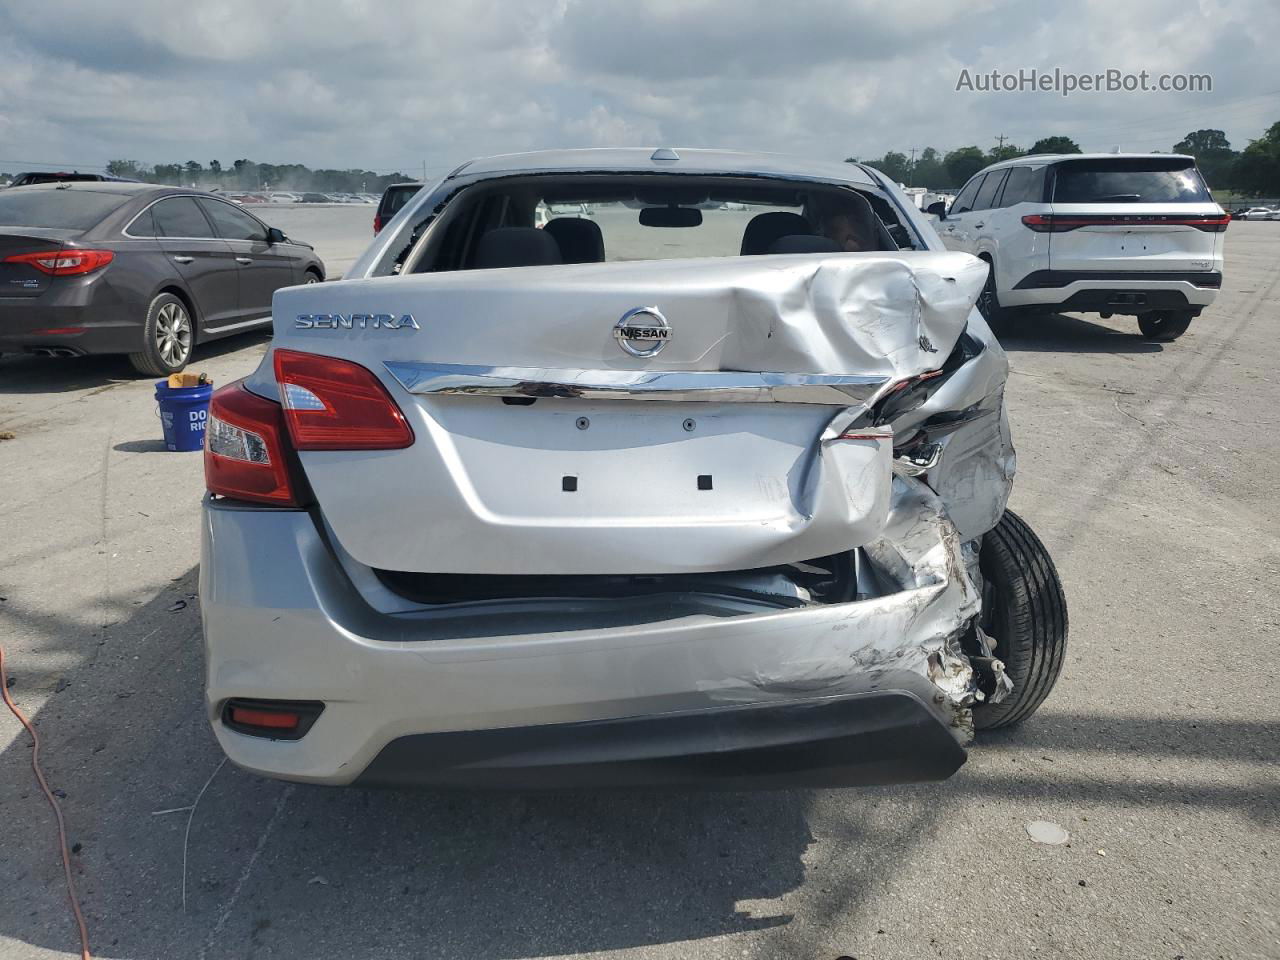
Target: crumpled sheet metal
{"type": "Point", "coordinates": [892, 314]}
{"type": "Point", "coordinates": [907, 638]}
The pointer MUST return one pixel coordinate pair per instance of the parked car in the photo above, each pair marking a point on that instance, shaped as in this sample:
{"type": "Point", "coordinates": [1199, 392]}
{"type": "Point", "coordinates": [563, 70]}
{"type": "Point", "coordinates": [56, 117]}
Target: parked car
{"type": "Point", "coordinates": [393, 198]}
{"type": "Point", "coordinates": [1134, 234]}
{"type": "Point", "coordinates": [282, 197]}
{"type": "Point", "coordinates": [136, 269]}
{"type": "Point", "coordinates": [44, 176]}
{"type": "Point", "coordinates": [649, 494]}
{"type": "Point", "coordinates": [315, 198]}
{"type": "Point", "coordinates": [1258, 213]}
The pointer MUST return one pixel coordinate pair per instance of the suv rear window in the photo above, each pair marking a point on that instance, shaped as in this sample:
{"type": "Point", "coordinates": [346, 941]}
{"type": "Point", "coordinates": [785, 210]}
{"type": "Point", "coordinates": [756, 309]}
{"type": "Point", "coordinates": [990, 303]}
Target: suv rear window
{"type": "Point", "coordinates": [396, 197]}
{"type": "Point", "coordinates": [59, 209]}
{"type": "Point", "coordinates": [1125, 180]}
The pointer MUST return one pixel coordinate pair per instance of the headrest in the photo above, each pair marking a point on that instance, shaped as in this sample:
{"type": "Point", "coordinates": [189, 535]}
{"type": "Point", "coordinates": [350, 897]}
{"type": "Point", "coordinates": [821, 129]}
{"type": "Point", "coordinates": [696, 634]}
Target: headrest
{"type": "Point", "coordinates": [516, 247]}
{"type": "Point", "coordinates": [804, 243]}
{"type": "Point", "coordinates": [580, 240]}
{"type": "Point", "coordinates": [765, 228]}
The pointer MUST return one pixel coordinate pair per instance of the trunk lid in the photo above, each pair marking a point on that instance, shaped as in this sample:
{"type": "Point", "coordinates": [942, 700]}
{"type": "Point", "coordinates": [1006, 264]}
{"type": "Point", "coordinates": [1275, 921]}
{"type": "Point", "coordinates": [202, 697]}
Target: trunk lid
{"type": "Point", "coordinates": [543, 446]}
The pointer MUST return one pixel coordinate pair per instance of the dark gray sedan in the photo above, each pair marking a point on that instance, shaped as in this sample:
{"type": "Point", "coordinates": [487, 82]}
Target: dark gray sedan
{"type": "Point", "coordinates": [136, 269]}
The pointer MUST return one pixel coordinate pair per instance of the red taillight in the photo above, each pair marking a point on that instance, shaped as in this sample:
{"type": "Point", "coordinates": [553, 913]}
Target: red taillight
{"type": "Point", "coordinates": [64, 263]}
{"type": "Point", "coordinates": [377, 223]}
{"type": "Point", "coordinates": [246, 448]}
{"type": "Point", "coordinates": [333, 404]}
{"type": "Point", "coordinates": [1061, 223]}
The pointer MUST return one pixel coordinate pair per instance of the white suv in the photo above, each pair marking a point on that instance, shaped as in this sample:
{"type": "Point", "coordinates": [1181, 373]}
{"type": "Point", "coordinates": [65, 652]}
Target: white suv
{"type": "Point", "coordinates": [1108, 233]}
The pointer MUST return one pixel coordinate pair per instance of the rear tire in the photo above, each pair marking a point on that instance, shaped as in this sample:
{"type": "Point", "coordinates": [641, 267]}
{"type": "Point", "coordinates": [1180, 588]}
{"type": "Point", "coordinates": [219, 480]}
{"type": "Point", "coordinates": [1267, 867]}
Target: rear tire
{"type": "Point", "coordinates": [1163, 326]}
{"type": "Point", "coordinates": [989, 300]}
{"type": "Point", "coordinates": [168, 337]}
{"type": "Point", "coordinates": [1025, 613]}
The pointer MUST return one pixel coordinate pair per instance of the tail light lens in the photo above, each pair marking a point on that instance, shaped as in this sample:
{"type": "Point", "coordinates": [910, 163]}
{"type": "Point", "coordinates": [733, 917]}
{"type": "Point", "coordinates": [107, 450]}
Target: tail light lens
{"type": "Point", "coordinates": [1061, 223]}
{"type": "Point", "coordinates": [377, 223]}
{"type": "Point", "coordinates": [333, 404]}
{"type": "Point", "coordinates": [246, 448]}
{"type": "Point", "coordinates": [64, 263]}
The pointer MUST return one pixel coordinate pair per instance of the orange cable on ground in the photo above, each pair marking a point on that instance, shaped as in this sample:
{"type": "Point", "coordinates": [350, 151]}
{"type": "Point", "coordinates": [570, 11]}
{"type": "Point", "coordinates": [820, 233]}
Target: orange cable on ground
{"type": "Point", "coordinates": [53, 802]}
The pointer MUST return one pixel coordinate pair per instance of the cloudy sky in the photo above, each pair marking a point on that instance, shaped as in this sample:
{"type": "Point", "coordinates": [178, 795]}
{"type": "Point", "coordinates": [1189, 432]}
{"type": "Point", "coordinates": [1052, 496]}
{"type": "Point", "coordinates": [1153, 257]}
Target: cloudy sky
{"type": "Point", "coordinates": [389, 86]}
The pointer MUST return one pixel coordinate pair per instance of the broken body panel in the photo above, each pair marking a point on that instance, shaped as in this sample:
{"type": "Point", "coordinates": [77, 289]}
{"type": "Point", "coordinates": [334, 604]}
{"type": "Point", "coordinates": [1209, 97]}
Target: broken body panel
{"type": "Point", "coordinates": [801, 412]}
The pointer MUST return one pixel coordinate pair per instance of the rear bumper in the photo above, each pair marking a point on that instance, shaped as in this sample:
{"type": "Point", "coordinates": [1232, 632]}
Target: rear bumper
{"type": "Point", "coordinates": [515, 694]}
{"type": "Point", "coordinates": [1129, 291]}
{"type": "Point", "coordinates": [72, 320]}
{"type": "Point", "coordinates": [870, 738]}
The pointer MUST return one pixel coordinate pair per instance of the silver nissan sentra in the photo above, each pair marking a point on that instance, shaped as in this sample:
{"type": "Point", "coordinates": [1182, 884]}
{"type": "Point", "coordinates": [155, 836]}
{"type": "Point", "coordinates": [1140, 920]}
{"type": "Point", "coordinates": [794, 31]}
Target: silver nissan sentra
{"type": "Point", "coordinates": [615, 467]}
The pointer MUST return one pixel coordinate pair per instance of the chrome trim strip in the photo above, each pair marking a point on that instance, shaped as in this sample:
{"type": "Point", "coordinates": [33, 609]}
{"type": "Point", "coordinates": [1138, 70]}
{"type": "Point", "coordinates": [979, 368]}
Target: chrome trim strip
{"type": "Point", "coordinates": [447, 379]}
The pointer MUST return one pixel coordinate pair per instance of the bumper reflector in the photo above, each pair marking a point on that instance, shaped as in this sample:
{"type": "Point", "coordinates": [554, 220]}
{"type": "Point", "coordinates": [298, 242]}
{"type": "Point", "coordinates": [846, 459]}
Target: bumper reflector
{"type": "Point", "coordinates": [273, 719]}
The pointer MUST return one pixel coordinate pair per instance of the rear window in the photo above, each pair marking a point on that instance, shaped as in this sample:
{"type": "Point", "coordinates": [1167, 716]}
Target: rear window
{"type": "Point", "coordinates": [58, 209]}
{"type": "Point", "coordinates": [1129, 181]}
{"type": "Point", "coordinates": [395, 198]}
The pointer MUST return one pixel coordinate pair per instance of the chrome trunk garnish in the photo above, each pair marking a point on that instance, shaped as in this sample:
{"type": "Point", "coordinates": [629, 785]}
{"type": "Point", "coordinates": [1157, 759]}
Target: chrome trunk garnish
{"type": "Point", "coordinates": [445, 379]}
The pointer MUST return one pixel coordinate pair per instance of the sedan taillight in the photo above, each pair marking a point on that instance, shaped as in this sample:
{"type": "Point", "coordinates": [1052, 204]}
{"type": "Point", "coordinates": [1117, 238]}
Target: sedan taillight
{"type": "Point", "coordinates": [64, 263]}
{"type": "Point", "coordinates": [246, 451]}
{"type": "Point", "coordinates": [333, 404]}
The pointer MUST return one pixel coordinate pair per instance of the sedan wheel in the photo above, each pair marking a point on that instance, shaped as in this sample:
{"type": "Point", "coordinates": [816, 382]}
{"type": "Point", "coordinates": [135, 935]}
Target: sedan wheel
{"type": "Point", "coordinates": [173, 335]}
{"type": "Point", "coordinates": [168, 336]}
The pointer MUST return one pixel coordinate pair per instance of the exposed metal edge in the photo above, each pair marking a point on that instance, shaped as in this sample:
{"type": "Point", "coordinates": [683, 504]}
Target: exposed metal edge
{"type": "Point", "coordinates": [443, 379]}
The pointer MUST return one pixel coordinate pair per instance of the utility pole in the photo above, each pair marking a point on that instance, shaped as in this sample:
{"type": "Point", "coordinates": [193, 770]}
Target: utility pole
{"type": "Point", "coordinates": [911, 168]}
{"type": "Point", "coordinates": [424, 171]}
{"type": "Point", "coordinates": [1000, 140]}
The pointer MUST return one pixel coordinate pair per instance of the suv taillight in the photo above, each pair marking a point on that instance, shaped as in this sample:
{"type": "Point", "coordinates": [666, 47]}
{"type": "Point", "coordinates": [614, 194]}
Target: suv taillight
{"type": "Point", "coordinates": [1061, 223]}
{"type": "Point", "coordinates": [377, 223]}
{"type": "Point", "coordinates": [333, 404]}
{"type": "Point", "coordinates": [64, 263]}
{"type": "Point", "coordinates": [246, 448]}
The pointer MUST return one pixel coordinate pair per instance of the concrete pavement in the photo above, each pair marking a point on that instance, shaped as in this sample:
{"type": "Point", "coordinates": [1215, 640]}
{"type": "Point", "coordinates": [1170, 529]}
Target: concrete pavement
{"type": "Point", "coordinates": [1149, 470]}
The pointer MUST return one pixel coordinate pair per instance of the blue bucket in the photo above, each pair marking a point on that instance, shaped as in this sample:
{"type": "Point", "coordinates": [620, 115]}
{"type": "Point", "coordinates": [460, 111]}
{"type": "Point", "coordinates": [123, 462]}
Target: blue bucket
{"type": "Point", "coordinates": [183, 413]}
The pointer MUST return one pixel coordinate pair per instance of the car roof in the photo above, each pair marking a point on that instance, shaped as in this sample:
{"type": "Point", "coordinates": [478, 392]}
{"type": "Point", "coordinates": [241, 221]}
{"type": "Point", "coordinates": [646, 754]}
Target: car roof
{"type": "Point", "coordinates": [101, 186]}
{"type": "Point", "coordinates": [1039, 159]}
{"type": "Point", "coordinates": [663, 160]}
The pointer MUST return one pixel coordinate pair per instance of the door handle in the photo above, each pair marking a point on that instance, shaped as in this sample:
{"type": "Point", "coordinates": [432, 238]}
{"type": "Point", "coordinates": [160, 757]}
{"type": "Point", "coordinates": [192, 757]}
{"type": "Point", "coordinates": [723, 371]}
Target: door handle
{"type": "Point", "coordinates": [979, 224]}
{"type": "Point", "coordinates": [183, 259]}
{"type": "Point", "coordinates": [244, 259]}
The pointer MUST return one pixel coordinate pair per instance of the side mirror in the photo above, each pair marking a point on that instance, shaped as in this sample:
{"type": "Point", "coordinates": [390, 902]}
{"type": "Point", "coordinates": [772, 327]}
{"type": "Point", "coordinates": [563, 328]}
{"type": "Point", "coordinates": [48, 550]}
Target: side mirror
{"type": "Point", "coordinates": [938, 208]}
{"type": "Point", "coordinates": [275, 235]}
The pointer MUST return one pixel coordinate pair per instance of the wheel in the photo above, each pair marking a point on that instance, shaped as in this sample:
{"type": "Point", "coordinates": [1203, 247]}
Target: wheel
{"type": "Point", "coordinates": [988, 301]}
{"type": "Point", "coordinates": [1164, 325]}
{"type": "Point", "coordinates": [312, 277]}
{"type": "Point", "coordinates": [1025, 614]}
{"type": "Point", "coordinates": [167, 338]}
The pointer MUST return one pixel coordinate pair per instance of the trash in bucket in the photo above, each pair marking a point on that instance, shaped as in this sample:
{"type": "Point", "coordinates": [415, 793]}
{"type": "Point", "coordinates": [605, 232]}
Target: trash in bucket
{"type": "Point", "coordinates": [184, 411]}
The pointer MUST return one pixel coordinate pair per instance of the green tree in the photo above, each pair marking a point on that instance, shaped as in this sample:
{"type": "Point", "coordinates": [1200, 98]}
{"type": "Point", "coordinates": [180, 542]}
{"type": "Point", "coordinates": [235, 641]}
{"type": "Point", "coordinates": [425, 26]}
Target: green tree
{"type": "Point", "coordinates": [193, 170]}
{"type": "Point", "coordinates": [963, 162]}
{"type": "Point", "coordinates": [1258, 168]}
{"type": "Point", "coordinates": [128, 169]}
{"type": "Point", "coordinates": [929, 170]}
{"type": "Point", "coordinates": [894, 165]}
{"type": "Point", "coordinates": [1055, 145]}
{"type": "Point", "coordinates": [1213, 154]}
{"type": "Point", "coordinates": [1006, 152]}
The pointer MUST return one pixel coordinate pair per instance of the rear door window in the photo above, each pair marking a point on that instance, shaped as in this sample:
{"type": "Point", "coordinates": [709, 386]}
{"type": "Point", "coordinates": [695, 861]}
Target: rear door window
{"type": "Point", "coordinates": [62, 209]}
{"type": "Point", "coordinates": [1129, 180]}
{"type": "Point", "coordinates": [180, 217]}
{"type": "Point", "coordinates": [964, 199]}
{"type": "Point", "coordinates": [232, 224]}
{"type": "Point", "coordinates": [987, 192]}
{"type": "Point", "coordinates": [1019, 186]}
{"type": "Point", "coordinates": [394, 199]}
